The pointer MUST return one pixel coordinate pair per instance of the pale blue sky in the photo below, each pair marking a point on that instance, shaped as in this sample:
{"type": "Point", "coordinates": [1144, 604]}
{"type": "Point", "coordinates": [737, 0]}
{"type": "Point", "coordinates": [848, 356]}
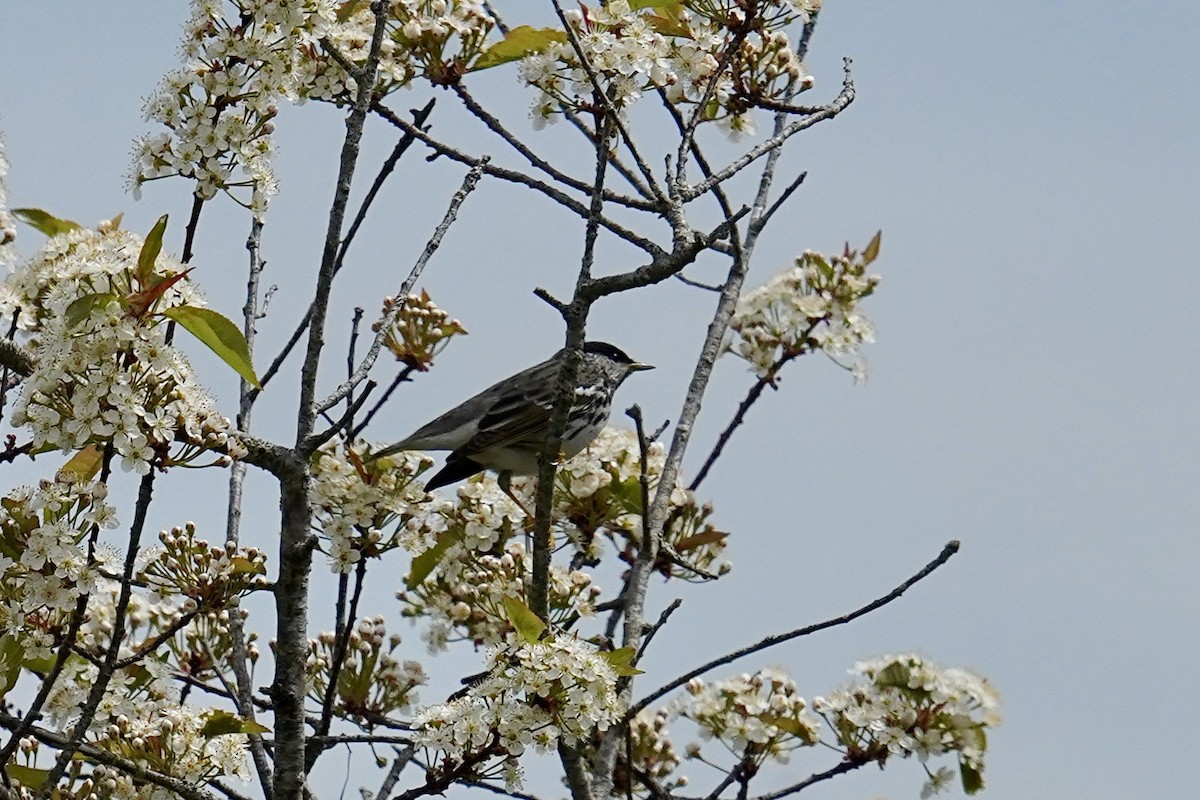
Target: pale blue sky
{"type": "Point", "coordinates": [1033, 393]}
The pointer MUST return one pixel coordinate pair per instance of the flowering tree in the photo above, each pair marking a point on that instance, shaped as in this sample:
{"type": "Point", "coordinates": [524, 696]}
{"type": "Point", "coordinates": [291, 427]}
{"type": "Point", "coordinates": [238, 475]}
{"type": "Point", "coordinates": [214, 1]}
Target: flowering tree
{"type": "Point", "coordinates": [134, 665]}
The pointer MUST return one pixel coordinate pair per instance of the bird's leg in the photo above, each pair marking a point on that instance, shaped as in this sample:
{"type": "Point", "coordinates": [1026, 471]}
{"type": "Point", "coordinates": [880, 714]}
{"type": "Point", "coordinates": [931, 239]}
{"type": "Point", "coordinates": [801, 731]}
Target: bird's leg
{"type": "Point", "coordinates": [504, 479]}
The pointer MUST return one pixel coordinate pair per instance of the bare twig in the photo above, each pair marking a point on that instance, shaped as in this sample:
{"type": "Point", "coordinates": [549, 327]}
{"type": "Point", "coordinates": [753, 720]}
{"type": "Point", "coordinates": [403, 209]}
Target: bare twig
{"type": "Point", "coordinates": [419, 118]}
{"type": "Point", "coordinates": [344, 627]}
{"type": "Point", "coordinates": [816, 777]}
{"type": "Point", "coordinates": [470, 181]}
{"type": "Point", "coordinates": [656, 627]}
{"type": "Point", "coordinates": [238, 658]}
{"type": "Point", "coordinates": [540, 163]}
{"type": "Point", "coordinates": [557, 195]}
{"type": "Point", "coordinates": [403, 376]}
{"type": "Point", "coordinates": [839, 104]}
{"type": "Point", "coordinates": [403, 757]}
{"type": "Point", "coordinates": [949, 550]}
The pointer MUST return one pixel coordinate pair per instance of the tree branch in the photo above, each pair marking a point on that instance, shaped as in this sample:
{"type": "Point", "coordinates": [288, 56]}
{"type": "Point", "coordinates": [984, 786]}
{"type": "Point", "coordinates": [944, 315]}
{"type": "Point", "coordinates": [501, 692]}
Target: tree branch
{"type": "Point", "coordinates": [949, 550]}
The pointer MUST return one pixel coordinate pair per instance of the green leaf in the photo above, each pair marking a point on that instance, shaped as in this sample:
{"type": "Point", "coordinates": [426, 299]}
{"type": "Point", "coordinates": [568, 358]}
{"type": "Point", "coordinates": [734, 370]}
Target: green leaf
{"type": "Point", "coordinates": [669, 24]}
{"type": "Point", "coordinates": [47, 224]}
{"type": "Point", "coordinates": [700, 539]}
{"type": "Point", "coordinates": [425, 563]}
{"type": "Point", "coordinates": [872, 251]}
{"type": "Point", "coordinates": [222, 337]}
{"type": "Point", "coordinates": [150, 250]}
{"type": "Point", "coordinates": [894, 674]}
{"type": "Point", "coordinates": [11, 658]}
{"type": "Point", "coordinates": [221, 723]}
{"type": "Point", "coordinates": [82, 307]}
{"type": "Point", "coordinates": [789, 725]}
{"type": "Point", "coordinates": [635, 5]}
{"type": "Point", "coordinates": [972, 779]}
{"type": "Point", "coordinates": [621, 661]}
{"type": "Point", "coordinates": [519, 43]}
{"type": "Point", "coordinates": [244, 566]}
{"type": "Point", "coordinates": [29, 777]}
{"type": "Point", "coordinates": [85, 464]}
{"type": "Point", "coordinates": [527, 623]}
{"type": "Point", "coordinates": [628, 494]}
{"type": "Point", "coordinates": [42, 666]}
{"type": "Point", "coordinates": [346, 10]}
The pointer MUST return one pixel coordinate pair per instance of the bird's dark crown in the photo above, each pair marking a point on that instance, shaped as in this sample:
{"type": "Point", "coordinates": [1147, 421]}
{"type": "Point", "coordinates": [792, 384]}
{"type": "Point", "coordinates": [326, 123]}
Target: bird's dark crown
{"type": "Point", "coordinates": [608, 351]}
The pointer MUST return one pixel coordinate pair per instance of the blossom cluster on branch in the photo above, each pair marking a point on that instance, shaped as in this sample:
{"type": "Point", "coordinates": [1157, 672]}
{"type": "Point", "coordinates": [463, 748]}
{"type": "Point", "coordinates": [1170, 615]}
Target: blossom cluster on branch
{"type": "Point", "coordinates": [724, 57]}
{"type": "Point", "coordinates": [44, 565]}
{"type": "Point", "coordinates": [812, 306]}
{"type": "Point", "coordinates": [371, 681]}
{"type": "Point", "coordinates": [418, 329]}
{"type": "Point", "coordinates": [910, 706]}
{"type": "Point", "coordinates": [469, 552]}
{"type": "Point", "coordinates": [353, 499]}
{"type": "Point", "coordinates": [244, 57]}
{"type": "Point", "coordinates": [559, 690]}
{"type": "Point", "coordinates": [96, 312]}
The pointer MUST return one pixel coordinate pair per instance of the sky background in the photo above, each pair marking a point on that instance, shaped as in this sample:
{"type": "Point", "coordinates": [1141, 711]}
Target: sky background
{"type": "Point", "coordinates": [1033, 393]}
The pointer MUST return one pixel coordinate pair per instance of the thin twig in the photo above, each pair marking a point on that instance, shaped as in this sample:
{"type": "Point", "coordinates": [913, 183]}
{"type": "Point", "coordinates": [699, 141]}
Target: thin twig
{"type": "Point", "coordinates": [403, 757]}
{"type": "Point", "coordinates": [816, 777]}
{"type": "Point", "coordinates": [403, 376]}
{"type": "Point", "coordinates": [87, 711]}
{"type": "Point", "coordinates": [345, 626]}
{"type": "Point", "coordinates": [470, 181]}
{"type": "Point", "coordinates": [537, 162]}
{"type": "Point", "coordinates": [949, 550]}
{"type": "Point", "coordinates": [743, 408]}
{"type": "Point", "coordinates": [837, 106]}
{"type": "Point", "coordinates": [656, 627]}
{"type": "Point", "coordinates": [100, 756]}
{"type": "Point", "coordinates": [557, 195]}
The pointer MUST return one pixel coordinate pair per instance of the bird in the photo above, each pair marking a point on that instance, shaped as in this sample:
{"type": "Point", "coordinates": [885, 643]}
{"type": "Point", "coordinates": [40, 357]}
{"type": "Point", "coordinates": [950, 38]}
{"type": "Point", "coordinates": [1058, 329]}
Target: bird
{"type": "Point", "coordinates": [505, 427]}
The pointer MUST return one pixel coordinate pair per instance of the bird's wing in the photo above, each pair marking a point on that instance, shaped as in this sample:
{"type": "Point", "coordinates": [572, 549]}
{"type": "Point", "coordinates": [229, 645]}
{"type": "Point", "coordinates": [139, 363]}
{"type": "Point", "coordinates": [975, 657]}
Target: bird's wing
{"type": "Point", "coordinates": [519, 415]}
{"type": "Point", "coordinates": [457, 428]}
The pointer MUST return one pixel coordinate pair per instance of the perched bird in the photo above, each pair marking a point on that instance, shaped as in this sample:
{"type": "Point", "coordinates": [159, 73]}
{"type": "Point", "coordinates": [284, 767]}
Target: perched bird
{"type": "Point", "coordinates": [505, 427]}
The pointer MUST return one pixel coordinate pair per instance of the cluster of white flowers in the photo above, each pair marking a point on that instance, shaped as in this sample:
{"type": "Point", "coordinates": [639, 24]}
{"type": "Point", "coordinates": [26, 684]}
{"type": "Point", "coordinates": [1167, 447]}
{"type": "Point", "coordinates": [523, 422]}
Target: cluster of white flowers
{"type": "Point", "coordinates": [212, 577]}
{"type": "Point", "coordinates": [560, 689]}
{"type": "Point", "coordinates": [466, 594]}
{"type": "Point", "coordinates": [812, 306]}
{"type": "Point", "coordinates": [909, 706]}
{"type": "Point", "coordinates": [653, 754]}
{"type": "Point", "coordinates": [8, 231]}
{"type": "Point", "coordinates": [433, 38]}
{"type": "Point", "coordinates": [418, 331]}
{"type": "Point", "coordinates": [757, 716]}
{"type": "Point", "coordinates": [105, 372]}
{"type": "Point", "coordinates": [599, 491]}
{"type": "Point", "coordinates": [171, 739]}
{"type": "Point", "coordinates": [685, 51]}
{"type": "Point", "coordinates": [372, 682]}
{"type": "Point", "coordinates": [353, 501]}
{"type": "Point", "coordinates": [141, 716]}
{"type": "Point", "coordinates": [469, 555]}
{"type": "Point", "coordinates": [44, 527]}
{"type": "Point", "coordinates": [243, 57]}
{"type": "Point", "coordinates": [219, 106]}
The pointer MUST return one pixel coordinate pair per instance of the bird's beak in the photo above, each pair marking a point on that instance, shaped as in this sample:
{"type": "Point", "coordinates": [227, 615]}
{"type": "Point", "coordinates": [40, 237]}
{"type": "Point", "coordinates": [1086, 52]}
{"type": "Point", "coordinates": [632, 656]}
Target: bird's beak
{"type": "Point", "coordinates": [638, 367]}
